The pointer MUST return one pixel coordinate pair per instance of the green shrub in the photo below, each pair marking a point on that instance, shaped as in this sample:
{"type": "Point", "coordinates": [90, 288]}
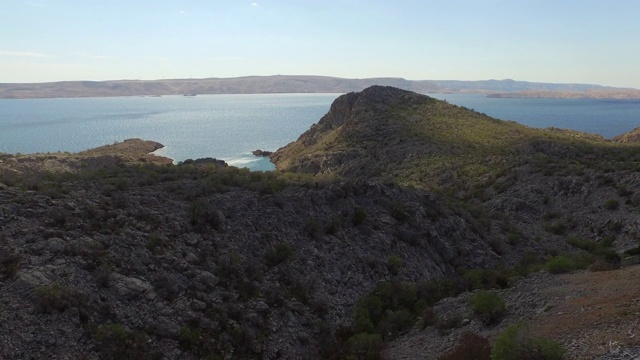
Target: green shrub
{"type": "Point", "coordinates": [118, 343]}
{"type": "Point", "coordinates": [473, 279]}
{"type": "Point", "coordinates": [587, 245]}
{"type": "Point", "coordinates": [549, 215]}
{"type": "Point", "coordinates": [189, 338]}
{"type": "Point", "coordinates": [279, 253]}
{"type": "Point", "coordinates": [359, 216]}
{"type": "Point", "coordinates": [398, 211]}
{"type": "Point", "coordinates": [632, 252]}
{"type": "Point", "coordinates": [559, 265]}
{"type": "Point", "coordinates": [9, 261]}
{"type": "Point", "coordinates": [517, 343]}
{"type": "Point", "coordinates": [470, 347]}
{"type": "Point", "coordinates": [488, 306]}
{"type": "Point", "coordinates": [557, 228]}
{"type": "Point", "coordinates": [528, 264]}
{"type": "Point", "coordinates": [312, 227]}
{"type": "Point", "coordinates": [394, 264]}
{"type": "Point", "coordinates": [205, 216]}
{"type": "Point", "coordinates": [394, 323]}
{"type": "Point", "coordinates": [334, 225]}
{"type": "Point", "coordinates": [53, 297]}
{"type": "Point", "coordinates": [365, 346]}
{"type": "Point", "coordinates": [156, 243]}
{"type": "Point", "coordinates": [608, 240]}
{"type": "Point", "coordinates": [513, 237]}
{"type": "Point", "coordinates": [611, 204]}
{"type": "Point", "coordinates": [486, 279]}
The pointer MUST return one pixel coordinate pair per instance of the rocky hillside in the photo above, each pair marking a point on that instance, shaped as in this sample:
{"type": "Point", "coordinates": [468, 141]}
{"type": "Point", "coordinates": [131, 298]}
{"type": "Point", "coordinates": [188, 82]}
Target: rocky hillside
{"type": "Point", "coordinates": [390, 203]}
{"type": "Point", "coordinates": [185, 260]}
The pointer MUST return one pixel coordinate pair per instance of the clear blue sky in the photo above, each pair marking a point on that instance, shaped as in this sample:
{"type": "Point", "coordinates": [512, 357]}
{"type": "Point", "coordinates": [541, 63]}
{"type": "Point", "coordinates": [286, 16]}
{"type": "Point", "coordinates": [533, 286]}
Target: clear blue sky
{"type": "Point", "coordinates": [576, 41]}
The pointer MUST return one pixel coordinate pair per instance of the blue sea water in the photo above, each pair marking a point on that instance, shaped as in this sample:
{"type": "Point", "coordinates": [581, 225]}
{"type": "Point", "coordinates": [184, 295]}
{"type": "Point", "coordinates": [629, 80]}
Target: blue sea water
{"type": "Point", "coordinates": [226, 127]}
{"type": "Point", "coordinates": [606, 117]}
{"type": "Point", "coordinates": [229, 127]}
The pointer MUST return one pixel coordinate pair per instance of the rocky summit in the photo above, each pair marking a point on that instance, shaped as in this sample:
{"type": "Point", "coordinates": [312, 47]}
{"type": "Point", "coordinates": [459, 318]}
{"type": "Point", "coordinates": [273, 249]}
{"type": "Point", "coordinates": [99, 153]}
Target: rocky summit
{"type": "Point", "coordinates": [381, 228]}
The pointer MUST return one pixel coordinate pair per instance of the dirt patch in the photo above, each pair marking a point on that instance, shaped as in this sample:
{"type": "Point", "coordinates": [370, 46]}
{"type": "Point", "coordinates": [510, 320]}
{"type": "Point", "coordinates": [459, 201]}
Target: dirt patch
{"type": "Point", "coordinates": [594, 313]}
{"type": "Point", "coordinates": [589, 313]}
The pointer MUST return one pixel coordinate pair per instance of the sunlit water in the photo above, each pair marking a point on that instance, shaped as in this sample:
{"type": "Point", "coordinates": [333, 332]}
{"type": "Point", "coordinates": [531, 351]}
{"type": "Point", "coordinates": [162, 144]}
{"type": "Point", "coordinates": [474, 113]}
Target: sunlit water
{"type": "Point", "coordinates": [229, 127]}
{"type": "Point", "coordinates": [226, 127]}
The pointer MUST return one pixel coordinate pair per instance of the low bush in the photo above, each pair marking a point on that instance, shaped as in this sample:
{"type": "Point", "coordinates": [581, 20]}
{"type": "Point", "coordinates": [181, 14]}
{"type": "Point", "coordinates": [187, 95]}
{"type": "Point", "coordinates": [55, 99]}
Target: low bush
{"type": "Point", "coordinates": [118, 343]}
{"type": "Point", "coordinates": [611, 204]}
{"type": "Point", "coordinates": [53, 297]}
{"type": "Point", "coordinates": [365, 346]}
{"type": "Point", "coordinates": [517, 343]}
{"type": "Point", "coordinates": [359, 216]}
{"type": "Point", "coordinates": [9, 261]}
{"type": "Point", "coordinates": [560, 264]}
{"type": "Point", "coordinates": [189, 338]}
{"type": "Point", "coordinates": [488, 306]}
{"type": "Point", "coordinates": [587, 245]}
{"type": "Point", "coordinates": [394, 264]}
{"type": "Point", "coordinates": [278, 254]}
{"type": "Point", "coordinates": [312, 228]}
{"type": "Point", "coordinates": [486, 279]}
{"type": "Point", "coordinates": [398, 211]}
{"type": "Point", "coordinates": [557, 227]}
{"type": "Point", "coordinates": [334, 225]}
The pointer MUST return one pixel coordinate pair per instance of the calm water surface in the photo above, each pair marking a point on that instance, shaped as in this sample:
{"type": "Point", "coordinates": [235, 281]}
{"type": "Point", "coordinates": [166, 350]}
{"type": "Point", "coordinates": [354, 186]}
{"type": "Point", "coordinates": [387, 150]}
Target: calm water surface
{"type": "Point", "coordinates": [229, 127]}
{"type": "Point", "coordinates": [606, 117]}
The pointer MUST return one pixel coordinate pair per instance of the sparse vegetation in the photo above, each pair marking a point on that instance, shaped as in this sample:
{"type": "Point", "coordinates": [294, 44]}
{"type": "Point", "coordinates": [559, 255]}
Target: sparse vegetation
{"type": "Point", "coordinates": [9, 260]}
{"type": "Point", "coordinates": [488, 306]}
{"type": "Point", "coordinates": [117, 342]}
{"type": "Point", "coordinates": [278, 254]}
{"type": "Point", "coordinates": [394, 264]}
{"type": "Point", "coordinates": [517, 343]}
{"type": "Point", "coordinates": [53, 297]}
{"type": "Point", "coordinates": [611, 204]}
{"type": "Point", "coordinates": [359, 216]}
{"type": "Point", "coordinates": [560, 264]}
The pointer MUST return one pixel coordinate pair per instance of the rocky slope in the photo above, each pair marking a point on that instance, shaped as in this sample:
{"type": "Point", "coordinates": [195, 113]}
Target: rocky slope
{"type": "Point", "coordinates": [164, 252]}
{"type": "Point", "coordinates": [114, 254]}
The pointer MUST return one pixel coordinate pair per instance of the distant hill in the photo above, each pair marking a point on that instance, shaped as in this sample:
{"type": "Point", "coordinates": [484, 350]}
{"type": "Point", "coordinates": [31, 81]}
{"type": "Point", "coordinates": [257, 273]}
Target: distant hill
{"type": "Point", "coordinates": [296, 84]}
{"type": "Point", "coordinates": [240, 85]}
{"type": "Point", "coordinates": [511, 86]}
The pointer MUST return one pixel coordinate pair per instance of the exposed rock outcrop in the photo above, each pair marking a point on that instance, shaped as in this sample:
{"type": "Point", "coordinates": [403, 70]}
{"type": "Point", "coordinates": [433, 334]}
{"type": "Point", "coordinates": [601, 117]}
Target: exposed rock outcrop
{"type": "Point", "coordinates": [261, 152]}
{"type": "Point", "coordinates": [632, 136]}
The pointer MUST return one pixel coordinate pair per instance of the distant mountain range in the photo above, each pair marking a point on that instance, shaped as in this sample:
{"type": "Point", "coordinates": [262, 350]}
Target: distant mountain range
{"type": "Point", "coordinates": [303, 84]}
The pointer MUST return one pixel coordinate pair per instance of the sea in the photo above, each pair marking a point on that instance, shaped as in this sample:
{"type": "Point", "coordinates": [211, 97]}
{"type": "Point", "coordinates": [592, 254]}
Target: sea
{"type": "Point", "coordinates": [230, 127]}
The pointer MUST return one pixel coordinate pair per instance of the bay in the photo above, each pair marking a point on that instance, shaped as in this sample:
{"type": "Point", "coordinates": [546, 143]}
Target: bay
{"type": "Point", "coordinates": [229, 127]}
{"type": "Point", "coordinates": [226, 127]}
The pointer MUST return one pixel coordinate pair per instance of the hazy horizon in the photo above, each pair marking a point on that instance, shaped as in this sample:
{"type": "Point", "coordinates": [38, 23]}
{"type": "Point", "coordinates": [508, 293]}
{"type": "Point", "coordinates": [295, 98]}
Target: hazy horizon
{"type": "Point", "coordinates": [590, 42]}
{"type": "Point", "coordinates": [312, 75]}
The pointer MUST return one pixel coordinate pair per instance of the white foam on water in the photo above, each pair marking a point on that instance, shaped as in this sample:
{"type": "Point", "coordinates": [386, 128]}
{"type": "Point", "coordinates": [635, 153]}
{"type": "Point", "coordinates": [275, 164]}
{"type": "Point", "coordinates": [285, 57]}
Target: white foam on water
{"type": "Point", "coordinates": [240, 161]}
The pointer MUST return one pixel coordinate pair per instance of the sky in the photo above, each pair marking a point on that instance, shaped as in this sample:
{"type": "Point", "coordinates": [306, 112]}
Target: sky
{"type": "Point", "coordinates": [558, 41]}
